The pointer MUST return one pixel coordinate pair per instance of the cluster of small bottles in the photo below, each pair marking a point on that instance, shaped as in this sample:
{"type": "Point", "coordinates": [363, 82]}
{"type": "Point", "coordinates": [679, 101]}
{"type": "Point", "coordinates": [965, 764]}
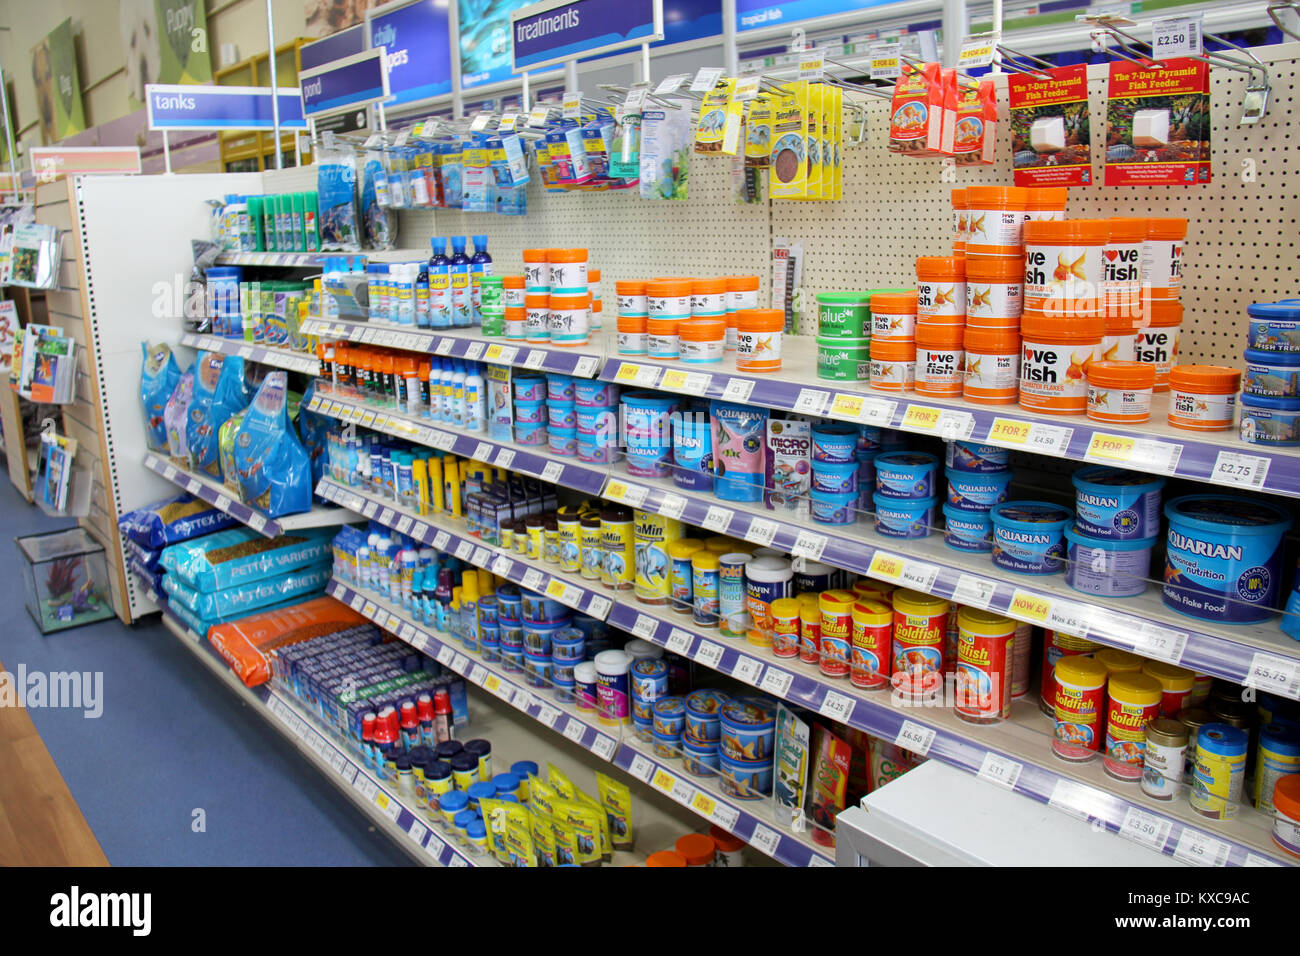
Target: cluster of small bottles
{"type": "Point", "coordinates": [447, 390]}
{"type": "Point", "coordinates": [410, 728]}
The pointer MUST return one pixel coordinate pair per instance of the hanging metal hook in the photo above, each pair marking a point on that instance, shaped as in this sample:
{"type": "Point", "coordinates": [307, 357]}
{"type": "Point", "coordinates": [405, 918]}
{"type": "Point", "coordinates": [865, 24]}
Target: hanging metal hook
{"type": "Point", "coordinates": [1004, 51]}
{"type": "Point", "coordinates": [850, 85]}
{"type": "Point", "coordinates": [1277, 7]}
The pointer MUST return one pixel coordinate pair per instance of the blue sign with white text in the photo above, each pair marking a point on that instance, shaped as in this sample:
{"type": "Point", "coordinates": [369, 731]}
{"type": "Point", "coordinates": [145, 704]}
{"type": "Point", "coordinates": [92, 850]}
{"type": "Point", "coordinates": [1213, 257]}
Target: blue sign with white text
{"type": "Point", "coordinates": [755, 14]}
{"type": "Point", "coordinates": [418, 39]}
{"type": "Point", "coordinates": [221, 107]}
{"type": "Point", "coordinates": [579, 28]}
{"type": "Point", "coordinates": [355, 81]}
{"type": "Point", "coordinates": [333, 47]}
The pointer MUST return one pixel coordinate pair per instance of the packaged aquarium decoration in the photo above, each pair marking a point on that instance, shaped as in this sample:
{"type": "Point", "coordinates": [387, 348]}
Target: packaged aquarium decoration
{"type": "Point", "coordinates": [665, 152]}
{"type": "Point", "coordinates": [1158, 124]}
{"type": "Point", "coordinates": [1051, 138]}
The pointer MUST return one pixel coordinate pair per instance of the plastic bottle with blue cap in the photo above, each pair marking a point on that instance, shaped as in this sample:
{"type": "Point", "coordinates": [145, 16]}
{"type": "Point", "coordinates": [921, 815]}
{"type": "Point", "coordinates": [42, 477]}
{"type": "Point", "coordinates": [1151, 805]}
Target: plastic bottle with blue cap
{"type": "Point", "coordinates": [461, 301]}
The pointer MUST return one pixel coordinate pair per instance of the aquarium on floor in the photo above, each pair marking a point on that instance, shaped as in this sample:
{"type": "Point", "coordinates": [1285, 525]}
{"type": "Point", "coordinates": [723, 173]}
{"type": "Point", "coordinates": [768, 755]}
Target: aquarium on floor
{"type": "Point", "coordinates": [67, 579]}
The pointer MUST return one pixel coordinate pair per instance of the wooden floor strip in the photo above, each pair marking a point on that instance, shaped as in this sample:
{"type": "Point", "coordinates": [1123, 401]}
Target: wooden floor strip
{"type": "Point", "coordinates": [40, 823]}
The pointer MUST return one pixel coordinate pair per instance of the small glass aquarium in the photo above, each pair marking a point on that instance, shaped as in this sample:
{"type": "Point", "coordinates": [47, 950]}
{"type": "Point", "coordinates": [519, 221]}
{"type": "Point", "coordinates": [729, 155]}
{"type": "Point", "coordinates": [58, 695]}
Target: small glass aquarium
{"type": "Point", "coordinates": [67, 579]}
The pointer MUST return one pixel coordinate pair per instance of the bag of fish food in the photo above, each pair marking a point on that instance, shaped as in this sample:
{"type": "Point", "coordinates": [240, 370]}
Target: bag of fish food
{"type": "Point", "coordinates": [226, 451]}
{"type": "Point", "coordinates": [158, 380]}
{"type": "Point", "coordinates": [240, 556]}
{"type": "Point", "coordinates": [218, 393]}
{"type": "Point", "coordinates": [176, 414]}
{"type": "Point", "coordinates": [171, 520]}
{"type": "Point", "coordinates": [247, 597]}
{"type": "Point", "coordinates": [272, 467]}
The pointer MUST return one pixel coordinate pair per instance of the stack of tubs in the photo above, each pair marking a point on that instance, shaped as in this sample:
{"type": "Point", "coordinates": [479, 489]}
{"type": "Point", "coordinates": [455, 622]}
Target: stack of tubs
{"type": "Point", "coordinates": [978, 478]}
{"type": "Point", "coordinates": [561, 415]}
{"type": "Point", "coordinates": [1116, 526]}
{"type": "Point", "coordinates": [531, 413]}
{"type": "Point", "coordinates": [596, 418]}
{"type": "Point", "coordinates": [1270, 398]}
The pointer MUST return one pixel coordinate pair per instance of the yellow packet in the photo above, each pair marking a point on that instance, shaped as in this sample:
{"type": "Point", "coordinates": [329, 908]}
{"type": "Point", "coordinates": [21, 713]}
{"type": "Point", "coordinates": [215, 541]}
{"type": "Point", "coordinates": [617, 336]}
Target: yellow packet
{"type": "Point", "coordinates": [720, 116]}
{"type": "Point", "coordinates": [575, 820]}
{"type": "Point", "coordinates": [789, 153]}
{"type": "Point", "coordinates": [606, 844]}
{"type": "Point", "coordinates": [541, 794]}
{"type": "Point", "coordinates": [758, 131]}
{"type": "Point", "coordinates": [560, 781]}
{"type": "Point", "coordinates": [616, 800]}
{"type": "Point", "coordinates": [812, 127]}
{"type": "Point", "coordinates": [541, 825]}
{"type": "Point", "coordinates": [521, 849]}
{"type": "Point", "coordinates": [568, 847]}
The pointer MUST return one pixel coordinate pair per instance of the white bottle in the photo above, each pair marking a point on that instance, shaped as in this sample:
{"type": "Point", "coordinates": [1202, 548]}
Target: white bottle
{"type": "Point", "coordinates": [458, 397]}
{"type": "Point", "coordinates": [404, 282]}
{"type": "Point", "coordinates": [475, 402]}
{"type": "Point", "coordinates": [445, 407]}
{"type": "Point", "coordinates": [370, 580]}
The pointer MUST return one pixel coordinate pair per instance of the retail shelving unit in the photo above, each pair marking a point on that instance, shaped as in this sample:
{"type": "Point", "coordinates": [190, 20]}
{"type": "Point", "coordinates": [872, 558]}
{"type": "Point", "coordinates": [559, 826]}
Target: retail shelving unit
{"type": "Point", "coordinates": [263, 354]}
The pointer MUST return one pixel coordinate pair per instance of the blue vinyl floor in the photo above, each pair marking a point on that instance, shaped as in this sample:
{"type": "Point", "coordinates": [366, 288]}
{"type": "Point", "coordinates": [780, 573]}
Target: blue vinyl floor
{"type": "Point", "coordinates": [172, 739]}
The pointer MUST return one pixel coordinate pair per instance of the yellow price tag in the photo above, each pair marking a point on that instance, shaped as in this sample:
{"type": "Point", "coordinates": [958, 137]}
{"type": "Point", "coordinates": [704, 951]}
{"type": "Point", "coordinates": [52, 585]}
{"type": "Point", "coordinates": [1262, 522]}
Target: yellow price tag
{"type": "Point", "coordinates": [847, 406]}
{"type": "Point", "coordinates": [704, 804]}
{"type": "Point", "coordinates": [627, 372]}
{"type": "Point", "coordinates": [921, 418]}
{"type": "Point", "coordinates": [886, 565]}
{"type": "Point", "coordinates": [381, 800]}
{"type": "Point", "coordinates": [1009, 431]}
{"type": "Point", "coordinates": [492, 683]}
{"type": "Point", "coordinates": [1028, 605]}
{"type": "Point", "coordinates": [673, 380]}
{"type": "Point", "coordinates": [662, 781]}
{"type": "Point", "coordinates": [493, 352]}
{"type": "Point", "coordinates": [555, 588]}
{"type": "Point", "coordinates": [617, 490]}
{"type": "Point", "coordinates": [1111, 447]}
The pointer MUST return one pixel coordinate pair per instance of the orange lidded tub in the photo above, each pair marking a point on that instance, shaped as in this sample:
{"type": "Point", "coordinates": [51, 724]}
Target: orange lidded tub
{"type": "Point", "coordinates": [893, 365]}
{"type": "Point", "coordinates": [1063, 265]}
{"type": "Point", "coordinates": [1055, 353]}
{"type": "Point", "coordinates": [994, 216]}
{"type": "Point", "coordinates": [995, 291]}
{"type": "Point", "coordinates": [959, 221]}
{"type": "Point", "coordinates": [537, 273]}
{"type": "Point", "coordinates": [669, 298]}
{"type": "Point", "coordinates": [1162, 258]}
{"type": "Point", "coordinates": [1045, 202]}
{"type": "Point", "coordinates": [893, 316]}
{"type": "Point", "coordinates": [516, 323]}
{"type": "Point", "coordinates": [595, 303]}
{"type": "Point", "coordinates": [537, 317]}
{"type": "Point", "coordinates": [742, 293]}
{"type": "Point", "coordinates": [758, 340]}
{"type": "Point", "coordinates": [709, 297]}
{"type": "Point", "coordinates": [663, 338]}
{"type": "Point", "coordinates": [1203, 397]}
{"type": "Point", "coordinates": [1118, 343]}
{"type": "Point", "coordinates": [941, 290]}
{"type": "Point", "coordinates": [1121, 269]}
{"type": "Point", "coordinates": [513, 287]}
{"type": "Point", "coordinates": [940, 359]}
{"type": "Point", "coordinates": [633, 335]}
{"type": "Point", "coordinates": [568, 271]}
{"type": "Point", "coordinates": [703, 340]}
{"type": "Point", "coordinates": [1157, 342]}
{"type": "Point", "coordinates": [992, 366]}
{"type": "Point", "coordinates": [1120, 392]}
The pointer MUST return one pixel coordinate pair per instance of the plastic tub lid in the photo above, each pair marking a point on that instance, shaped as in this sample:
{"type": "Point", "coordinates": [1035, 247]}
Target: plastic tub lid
{"type": "Point", "coordinates": [1063, 232]}
{"type": "Point", "coordinates": [696, 848]}
{"type": "Point", "coordinates": [995, 267]}
{"type": "Point", "coordinates": [1032, 515]}
{"type": "Point", "coordinates": [1263, 357]}
{"type": "Point", "coordinates": [1081, 671]}
{"type": "Point", "coordinates": [1107, 476]}
{"type": "Point", "coordinates": [506, 782]}
{"type": "Point", "coordinates": [1204, 378]}
{"type": "Point", "coordinates": [1163, 313]}
{"type": "Point", "coordinates": [728, 842]}
{"type": "Point", "coordinates": [760, 320]}
{"type": "Point", "coordinates": [1286, 796]}
{"type": "Point", "coordinates": [959, 198]}
{"type": "Point", "coordinates": [756, 713]}
{"type": "Point", "coordinates": [742, 283]}
{"type": "Point", "coordinates": [844, 298]}
{"type": "Point", "coordinates": [566, 255]}
{"type": "Point", "coordinates": [703, 330]}
{"type": "Point", "coordinates": [902, 504]}
{"type": "Point", "coordinates": [941, 267]}
{"type": "Point", "coordinates": [1127, 229]}
{"type": "Point", "coordinates": [1134, 687]}
{"type": "Point", "coordinates": [676, 287]}
{"type": "Point", "coordinates": [1047, 197]}
{"type": "Point", "coordinates": [630, 286]}
{"type": "Point", "coordinates": [1035, 324]}
{"type": "Point", "coordinates": [1136, 375]}
{"type": "Point", "coordinates": [706, 702]}
{"type": "Point", "coordinates": [1212, 512]}
{"type": "Point", "coordinates": [988, 197]}
{"type": "Point", "coordinates": [708, 286]}
{"type": "Point", "coordinates": [482, 790]}
{"type": "Point", "coordinates": [907, 459]}
{"type": "Point", "coordinates": [512, 282]}
{"type": "Point", "coordinates": [992, 340]}
{"type": "Point", "coordinates": [454, 801]}
{"type": "Point", "coordinates": [1171, 676]}
{"type": "Point", "coordinates": [665, 858]}
{"type": "Point", "coordinates": [1117, 661]}
{"type": "Point", "coordinates": [1223, 739]}
{"type": "Point", "coordinates": [1273, 402]}
{"type": "Point", "coordinates": [522, 768]}
{"type": "Point", "coordinates": [894, 302]}
{"type": "Point", "coordinates": [1286, 309]}
{"type": "Point", "coordinates": [1166, 228]}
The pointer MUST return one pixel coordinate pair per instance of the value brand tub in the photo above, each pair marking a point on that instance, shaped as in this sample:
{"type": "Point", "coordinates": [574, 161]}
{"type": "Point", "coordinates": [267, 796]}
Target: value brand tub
{"type": "Point", "coordinates": [1274, 327]}
{"type": "Point", "coordinates": [1271, 374]}
{"type": "Point", "coordinates": [1223, 557]}
{"type": "Point", "coordinates": [904, 518]}
{"type": "Point", "coordinates": [1106, 566]}
{"type": "Point", "coordinates": [905, 474]}
{"type": "Point", "coordinates": [968, 456]}
{"type": "Point", "coordinates": [976, 491]}
{"type": "Point", "coordinates": [967, 530]}
{"type": "Point", "coordinates": [845, 315]}
{"type": "Point", "coordinates": [1029, 536]}
{"type": "Point", "coordinates": [1270, 421]}
{"type": "Point", "coordinates": [1113, 503]}
{"type": "Point", "coordinates": [843, 360]}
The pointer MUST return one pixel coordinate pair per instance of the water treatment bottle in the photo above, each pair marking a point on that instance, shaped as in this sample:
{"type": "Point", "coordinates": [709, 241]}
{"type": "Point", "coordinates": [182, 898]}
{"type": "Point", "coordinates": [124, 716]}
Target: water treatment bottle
{"type": "Point", "coordinates": [475, 400]}
{"type": "Point", "coordinates": [480, 266]}
{"type": "Point", "coordinates": [439, 285]}
{"type": "Point", "coordinates": [461, 304]}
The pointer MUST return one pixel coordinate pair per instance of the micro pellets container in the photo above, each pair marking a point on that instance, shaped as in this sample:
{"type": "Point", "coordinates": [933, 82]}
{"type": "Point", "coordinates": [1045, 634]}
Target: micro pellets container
{"type": "Point", "coordinates": [1055, 353]}
{"type": "Point", "coordinates": [992, 375]}
{"type": "Point", "coordinates": [1220, 771]}
{"type": "Point", "coordinates": [758, 340]}
{"type": "Point", "coordinates": [984, 661]}
{"type": "Point", "coordinates": [941, 290]}
{"type": "Point", "coordinates": [844, 315]}
{"type": "Point", "coordinates": [1029, 536]}
{"type": "Point", "coordinates": [1223, 557]}
{"type": "Point", "coordinates": [1108, 567]}
{"type": "Point", "coordinates": [1156, 343]}
{"type": "Point", "coordinates": [1114, 503]}
{"type": "Point", "coordinates": [1203, 397]}
{"type": "Point", "coordinates": [1119, 393]}
{"type": "Point", "coordinates": [940, 360]}
{"type": "Point", "coordinates": [995, 216]}
{"type": "Point", "coordinates": [893, 317]}
{"type": "Point", "coordinates": [1063, 266]}
{"type": "Point", "coordinates": [995, 292]}
{"type": "Point", "coordinates": [1133, 701]}
{"type": "Point", "coordinates": [1079, 708]}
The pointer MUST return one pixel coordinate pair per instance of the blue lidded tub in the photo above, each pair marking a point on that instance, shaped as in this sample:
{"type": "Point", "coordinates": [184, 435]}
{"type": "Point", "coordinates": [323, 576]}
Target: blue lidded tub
{"type": "Point", "coordinates": [593, 393]}
{"type": "Point", "coordinates": [748, 728]}
{"type": "Point", "coordinates": [834, 442]}
{"type": "Point", "coordinates": [665, 745]}
{"type": "Point", "coordinates": [1108, 567]}
{"type": "Point", "coordinates": [534, 434]}
{"type": "Point", "coordinates": [530, 413]}
{"type": "Point", "coordinates": [910, 518]}
{"type": "Point", "coordinates": [1274, 326]}
{"type": "Point", "coordinates": [905, 474]}
{"type": "Point", "coordinates": [700, 760]}
{"type": "Point", "coordinates": [976, 490]}
{"type": "Point", "coordinates": [1270, 421]}
{"type": "Point", "coordinates": [540, 609]}
{"type": "Point", "coordinates": [510, 604]}
{"type": "Point", "coordinates": [559, 388]}
{"type": "Point", "coordinates": [967, 530]}
{"type": "Point", "coordinates": [563, 442]}
{"type": "Point", "coordinates": [1114, 503]}
{"type": "Point", "coordinates": [833, 509]}
{"type": "Point", "coordinates": [669, 716]}
{"type": "Point", "coordinates": [592, 419]}
{"type": "Point", "coordinates": [596, 449]}
{"type": "Point", "coordinates": [561, 415]}
{"type": "Point", "coordinates": [539, 638]}
{"type": "Point", "coordinates": [1223, 557]}
{"type": "Point", "coordinates": [703, 710]}
{"type": "Point", "coordinates": [870, 438]}
{"type": "Point", "coordinates": [693, 452]}
{"type": "Point", "coordinates": [1271, 374]}
{"type": "Point", "coordinates": [745, 779]}
{"type": "Point", "coordinates": [568, 645]}
{"type": "Point", "coordinates": [835, 478]}
{"type": "Point", "coordinates": [971, 456]}
{"type": "Point", "coordinates": [647, 420]}
{"type": "Point", "coordinates": [1029, 536]}
{"type": "Point", "coordinates": [866, 478]}
{"type": "Point", "coordinates": [530, 388]}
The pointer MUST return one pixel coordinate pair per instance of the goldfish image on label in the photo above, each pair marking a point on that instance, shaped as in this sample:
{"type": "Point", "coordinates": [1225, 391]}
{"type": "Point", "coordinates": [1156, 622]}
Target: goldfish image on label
{"type": "Point", "coordinates": [1067, 270]}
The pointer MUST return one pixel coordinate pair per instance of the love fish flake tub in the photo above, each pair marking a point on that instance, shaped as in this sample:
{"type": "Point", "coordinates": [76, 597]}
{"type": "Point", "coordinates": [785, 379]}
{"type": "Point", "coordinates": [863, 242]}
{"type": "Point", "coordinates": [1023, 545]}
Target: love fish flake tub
{"type": "Point", "coordinates": [1223, 557]}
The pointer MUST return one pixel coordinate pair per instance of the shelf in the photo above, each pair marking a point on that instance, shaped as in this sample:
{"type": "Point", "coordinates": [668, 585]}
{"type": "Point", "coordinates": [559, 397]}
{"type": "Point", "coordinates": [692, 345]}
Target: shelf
{"type": "Point", "coordinates": [1156, 447]}
{"type": "Point", "coordinates": [264, 354]}
{"type": "Point", "coordinates": [1259, 655]}
{"type": "Point", "coordinates": [752, 821]}
{"type": "Point", "coordinates": [463, 344]}
{"type": "Point", "coordinates": [382, 808]}
{"type": "Point", "coordinates": [217, 494]}
{"type": "Point", "coordinates": [290, 259]}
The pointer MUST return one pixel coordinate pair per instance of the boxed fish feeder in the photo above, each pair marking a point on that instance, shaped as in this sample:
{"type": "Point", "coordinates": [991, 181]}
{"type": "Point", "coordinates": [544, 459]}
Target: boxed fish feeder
{"type": "Point", "coordinates": [67, 579]}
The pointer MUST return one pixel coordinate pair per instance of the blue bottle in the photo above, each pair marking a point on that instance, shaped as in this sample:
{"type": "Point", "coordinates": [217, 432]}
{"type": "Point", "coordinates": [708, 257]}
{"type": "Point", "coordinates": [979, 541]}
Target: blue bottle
{"type": "Point", "coordinates": [422, 297]}
{"type": "Point", "coordinates": [439, 285]}
{"type": "Point", "coordinates": [461, 300]}
{"type": "Point", "coordinates": [480, 266]}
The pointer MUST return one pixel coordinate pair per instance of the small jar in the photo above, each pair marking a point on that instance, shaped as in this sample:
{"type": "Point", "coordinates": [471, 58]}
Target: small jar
{"type": "Point", "coordinates": [662, 338]}
{"type": "Point", "coordinates": [568, 271]}
{"type": "Point", "coordinates": [568, 319]}
{"type": "Point", "coordinates": [709, 297]}
{"type": "Point", "coordinates": [702, 341]}
{"type": "Point", "coordinates": [632, 297]}
{"type": "Point", "coordinates": [512, 292]}
{"type": "Point", "coordinates": [537, 318]}
{"type": "Point", "coordinates": [669, 298]}
{"type": "Point", "coordinates": [1163, 759]}
{"type": "Point", "coordinates": [537, 273]}
{"type": "Point", "coordinates": [758, 340]}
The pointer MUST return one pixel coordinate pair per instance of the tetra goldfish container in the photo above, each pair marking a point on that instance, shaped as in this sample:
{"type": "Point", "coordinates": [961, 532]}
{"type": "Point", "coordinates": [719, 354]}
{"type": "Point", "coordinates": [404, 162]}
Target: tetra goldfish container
{"type": "Point", "coordinates": [984, 659]}
{"type": "Point", "coordinates": [992, 375]}
{"type": "Point", "coordinates": [1058, 645]}
{"type": "Point", "coordinates": [1162, 258]}
{"type": "Point", "coordinates": [758, 340]}
{"type": "Point", "coordinates": [1175, 684]}
{"type": "Point", "coordinates": [940, 359]}
{"type": "Point", "coordinates": [1080, 705]}
{"type": "Point", "coordinates": [994, 218]}
{"type": "Point", "coordinates": [1055, 353]}
{"type": "Point", "coordinates": [1157, 343]}
{"type": "Point", "coordinates": [1063, 266]}
{"type": "Point", "coordinates": [1133, 702]}
{"type": "Point", "coordinates": [836, 632]}
{"type": "Point", "coordinates": [893, 317]}
{"type": "Point", "coordinates": [810, 628]}
{"type": "Point", "coordinates": [941, 290]}
{"type": "Point", "coordinates": [1120, 392]}
{"type": "Point", "coordinates": [920, 629]}
{"type": "Point", "coordinates": [785, 628]}
{"type": "Point", "coordinates": [1203, 397]}
{"type": "Point", "coordinates": [995, 292]}
{"type": "Point", "coordinates": [893, 365]}
{"type": "Point", "coordinates": [871, 644]}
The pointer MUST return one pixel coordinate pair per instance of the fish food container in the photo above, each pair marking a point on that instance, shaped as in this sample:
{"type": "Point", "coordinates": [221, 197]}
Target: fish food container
{"type": "Point", "coordinates": [1203, 397]}
{"type": "Point", "coordinates": [702, 341]}
{"type": "Point", "coordinates": [1108, 567]}
{"type": "Point", "coordinates": [530, 388]}
{"type": "Point", "coordinates": [1277, 756]}
{"type": "Point", "coordinates": [1274, 327]}
{"type": "Point", "coordinates": [699, 759]}
{"type": "Point", "coordinates": [843, 360]}
{"type": "Point", "coordinates": [941, 290]}
{"type": "Point", "coordinates": [835, 478]}
{"type": "Point", "coordinates": [976, 491]}
{"type": "Point", "coordinates": [758, 340]}
{"type": "Point", "coordinates": [1270, 421]}
{"type": "Point", "coordinates": [995, 216]}
{"type": "Point", "coordinates": [1271, 374]}
{"type": "Point", "coordinates": [1029, 536]}
{"type": "Point", "coordinates": [647, 425]}
{"type": "Point", "coordinates": [1120, 392]}
{"type": "Point", "coordinates": [539, 609]}
{"type": "Point", "coordinates": [709, 297]}
{"type": "Point", "coordinates": [904, 518]}
{"type": "Point", "coordinates": [1220, 771]}
{"type": "Point", "coordinates": [669, 716]}
{"type": "Point", "coordinates": [1114, 503]}
{"type": "Point", "coordinates": [559, 388]}
{"type": "Point", "coordinates": [844, 315]}
{"type": "Point", "coordinates": [994, 292]}
{"type": "Point", "coordinates": [703, 716]}
{"type": "Point", "coordinates": [967, 530]}
{"type": "Point", "coordinates": [1055, 352]}
{"type": "Point", "coordinates": [992, 375]}
{"type": "Point", "coordinates": [1063, 265]}
{"type": "Point", "coordinates": [1223, 557]}
{"type": "Point", "coordinates": [893, 316]}
{"type": "Point", "coordinates": [827, 508]}
{"type": "Point", "coordinates": [666, 745]}
{"type": "Point", "coordinates": [748, 728]}
{"type": "Point", "coordinates": [1162, 258]}
{"type": "Point", "coordinates": [593, 393]}
{"type": "Point", "coordinates": [893, 365]}
{"type": "Point", "coordinates": [1133, 703]}
{"type": "Point", "coordinates": [1079, 707]}
{"type": "Point", "coordinates": [1157, 342]}
{"type": "Point", "coordinates": [669, 298]}
{"type": "Point", "coordinates": [530, 413]}
{"type": "Point", "coordinates": [632, 297]}
{"type": "Point", "coordinates": [1286, 809]}
{"type": "Point", "coordinates": [834, 442]}
{"type": "Point", "coordinates": [905, 474]}
{"type": "Point", "coordinates": [940, 360]}
{"type": "Point", "coordinates": [966, 456]}
{"type": "Point", "coordinates": [745, 779]}
{"type": "Point", "coordinates": [560, 414]}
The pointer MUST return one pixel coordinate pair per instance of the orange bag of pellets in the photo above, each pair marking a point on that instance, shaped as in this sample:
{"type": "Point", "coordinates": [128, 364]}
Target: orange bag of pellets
{"type": "Point", "coordinates": [916, 116]}
{"type": "Point", "coordinates": [247, 643]}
